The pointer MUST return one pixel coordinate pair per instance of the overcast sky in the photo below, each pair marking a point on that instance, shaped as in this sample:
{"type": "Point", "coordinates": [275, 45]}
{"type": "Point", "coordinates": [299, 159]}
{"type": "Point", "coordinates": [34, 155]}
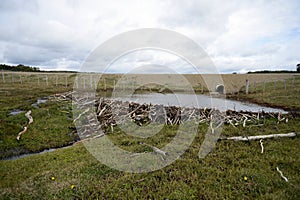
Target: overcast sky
{"type": "Point", "coordinates": [239, 36]}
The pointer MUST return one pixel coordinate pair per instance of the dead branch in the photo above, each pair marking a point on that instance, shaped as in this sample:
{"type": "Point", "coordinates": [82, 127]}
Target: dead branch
{"type": "Point", "coordinates": [257, 137]}
{"type": "Point", "coordinates": [155, 149]}
{"type": "Point", "coordinates": [261, 145]}
{"type": "Point", "coordinates": [81, 114]}
{"type": "Point", "coordinates": [281, 174]}
{"type": "Point", "coordinates": [29, 117]}
{"type": "Point", "coordinates": [22, 132]}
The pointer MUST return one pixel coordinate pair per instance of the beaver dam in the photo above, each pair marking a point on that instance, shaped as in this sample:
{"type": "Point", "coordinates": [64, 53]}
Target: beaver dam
{"type": "Point", "coordinates": [112, 112]}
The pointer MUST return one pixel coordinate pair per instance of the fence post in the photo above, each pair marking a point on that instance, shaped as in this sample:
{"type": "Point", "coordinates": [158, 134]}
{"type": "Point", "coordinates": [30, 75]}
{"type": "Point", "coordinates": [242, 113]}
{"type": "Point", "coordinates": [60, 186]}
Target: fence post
{"type": "Point", "coordinates": [47, 80]}
{"type": "Point", "coordinates": [247, 86]}
{"type": "Point", "coordinates": [293, 81]}
{"type": "Point", "coordinates": [3, 78]}
{"type": "Point", "coordinates": [96, 82]}
{"type": "Point", "coordinates": [66, 80]}
{"type": "Point", "coordinates": [91, 82]}
{"type": "Point", "coordinates": [20, 79]}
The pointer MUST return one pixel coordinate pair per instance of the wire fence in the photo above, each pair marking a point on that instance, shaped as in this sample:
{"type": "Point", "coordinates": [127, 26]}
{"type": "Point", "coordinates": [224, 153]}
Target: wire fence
{"type": "Point", "coordinates": [93, 81]}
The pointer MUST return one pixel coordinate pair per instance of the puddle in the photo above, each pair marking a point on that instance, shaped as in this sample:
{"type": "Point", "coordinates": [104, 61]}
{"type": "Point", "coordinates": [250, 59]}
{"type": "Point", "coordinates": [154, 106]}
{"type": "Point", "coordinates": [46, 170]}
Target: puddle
{"type": "Point", "coordinates": [31, 154]}
{"type": "Point", "coordinates": [38, 102]}
{"type": "Point", "coordinates": [16, 112]}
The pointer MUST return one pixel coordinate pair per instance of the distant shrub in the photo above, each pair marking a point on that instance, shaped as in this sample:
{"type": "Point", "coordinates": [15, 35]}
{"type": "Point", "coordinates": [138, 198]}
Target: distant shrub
{"type": "Point", "coordinates": [20, 67]}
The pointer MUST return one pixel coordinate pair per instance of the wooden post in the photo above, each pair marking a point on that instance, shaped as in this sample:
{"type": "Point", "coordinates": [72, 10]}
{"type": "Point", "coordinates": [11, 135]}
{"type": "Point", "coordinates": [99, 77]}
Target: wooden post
{"type": "Point", "coordinates": [91, 82]}
{"type": "Point", "coordinates": [66, 80]}
{"type": "Point", "coordinates": [47, 80]}
{"type": "Point", "coordinates": [76, 82]}
{"type": "Point", "coordinates": [247, 86]}
{"type": "Point", "coordinates": [293, 81]}
{"type": "Point", "coordinates": [20, 79]}
{"type": "Point", "coordinates": [3, 78]}
{"type": "Point", "coordinates": [96, 83]}
{"type": "Point", "coordinates": [132, 86]}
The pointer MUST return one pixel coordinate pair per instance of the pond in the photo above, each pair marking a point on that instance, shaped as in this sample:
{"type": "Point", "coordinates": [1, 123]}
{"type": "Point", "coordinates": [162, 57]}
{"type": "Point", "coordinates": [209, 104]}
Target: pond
{"type": "Point", "coordinates": [196, 101]}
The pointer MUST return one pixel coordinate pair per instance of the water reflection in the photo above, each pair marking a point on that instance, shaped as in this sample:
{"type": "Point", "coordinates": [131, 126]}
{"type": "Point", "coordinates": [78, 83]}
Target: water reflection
{"type": "Point", "coordinates": [191, 100]}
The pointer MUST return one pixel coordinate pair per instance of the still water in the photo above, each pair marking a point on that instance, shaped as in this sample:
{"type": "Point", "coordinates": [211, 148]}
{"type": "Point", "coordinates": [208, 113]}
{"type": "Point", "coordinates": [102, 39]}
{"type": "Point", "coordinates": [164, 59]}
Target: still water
{"type": "Point", "coordinates": [196, 101]}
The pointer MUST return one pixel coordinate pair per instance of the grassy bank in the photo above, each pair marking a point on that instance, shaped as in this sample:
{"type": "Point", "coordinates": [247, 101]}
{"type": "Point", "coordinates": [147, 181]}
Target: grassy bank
{"type": "Point", "coordinates": [280, 94]}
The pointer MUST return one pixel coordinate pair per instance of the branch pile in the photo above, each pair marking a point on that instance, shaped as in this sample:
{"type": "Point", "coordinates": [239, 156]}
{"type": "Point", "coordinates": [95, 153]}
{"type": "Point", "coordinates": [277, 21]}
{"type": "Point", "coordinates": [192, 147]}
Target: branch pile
{"type": "Point", "coordinates": [110, 112]}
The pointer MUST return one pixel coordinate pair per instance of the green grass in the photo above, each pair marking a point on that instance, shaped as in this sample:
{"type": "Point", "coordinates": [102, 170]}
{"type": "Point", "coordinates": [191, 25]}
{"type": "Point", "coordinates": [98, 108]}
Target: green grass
{"type": "Point", "coordinates": [52, 126]}
{"type": "Point", "coordinates": [283, 94]}
{"type": "Point", "coordinates": [220, 175]}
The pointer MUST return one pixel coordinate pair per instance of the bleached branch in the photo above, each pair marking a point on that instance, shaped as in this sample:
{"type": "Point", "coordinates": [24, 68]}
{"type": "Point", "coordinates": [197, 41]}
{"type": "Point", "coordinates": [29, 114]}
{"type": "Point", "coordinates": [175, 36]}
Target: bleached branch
{"type": "Point", "coordinates": [281, 174]}
{"type": "Point", "coordinates": [257, 137]}
{"type": "Point", "coordinates": [261, 145]}
{"type": "Point", "coordinates": [19, 134]}
{"type": "Point", "coordinates": [29, 117]}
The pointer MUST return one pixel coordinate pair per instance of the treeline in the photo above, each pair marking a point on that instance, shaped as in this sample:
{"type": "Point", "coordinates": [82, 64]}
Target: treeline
{"type": "Point", "coordinates": [23, 68]}
{"type": "Point", "coordinates": [19, 68]}
{"type": "Point", "coordinates": [268, 71]}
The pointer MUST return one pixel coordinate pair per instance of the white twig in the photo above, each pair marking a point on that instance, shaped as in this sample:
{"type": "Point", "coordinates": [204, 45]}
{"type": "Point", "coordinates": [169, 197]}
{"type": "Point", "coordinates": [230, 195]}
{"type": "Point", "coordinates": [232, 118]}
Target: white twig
{"type": "Point", "coordinates": [30, 120]}
{"type": "Point", "coordinates": [81, 114]}
{"type": "Point", "coordinates": [29, 117]}
{"type": "Point", "coordinates": [281, 174]}
{"type": "Point", "coordinates": [19, 134]}
{"type": "Point", "coordinates": [244, 123]}
{"type": "Point", "coordinates": [261, 145]}
{"type": "Point", "coordinates": [157, 150]}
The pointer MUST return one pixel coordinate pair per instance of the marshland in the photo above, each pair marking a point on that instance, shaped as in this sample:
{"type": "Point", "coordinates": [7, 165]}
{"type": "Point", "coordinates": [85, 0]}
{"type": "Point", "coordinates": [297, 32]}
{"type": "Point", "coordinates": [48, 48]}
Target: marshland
{"type": "Point", "coordinates": [232, 170]}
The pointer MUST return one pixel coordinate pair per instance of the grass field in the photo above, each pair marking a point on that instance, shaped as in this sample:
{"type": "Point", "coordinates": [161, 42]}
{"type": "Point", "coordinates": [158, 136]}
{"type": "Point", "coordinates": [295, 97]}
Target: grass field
{"type": "Point", "coordinates": [233, 170]}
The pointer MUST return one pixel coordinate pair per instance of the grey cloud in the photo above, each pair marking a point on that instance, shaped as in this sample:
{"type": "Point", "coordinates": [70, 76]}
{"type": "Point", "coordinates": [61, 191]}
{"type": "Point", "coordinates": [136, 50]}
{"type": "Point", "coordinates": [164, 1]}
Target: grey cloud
{"type": "Point", "coordinates": [237, 35]}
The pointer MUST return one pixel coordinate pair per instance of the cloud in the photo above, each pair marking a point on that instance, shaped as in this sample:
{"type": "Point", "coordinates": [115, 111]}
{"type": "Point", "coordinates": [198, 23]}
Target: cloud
{"type": "Point", "coordinates": [237, 35]}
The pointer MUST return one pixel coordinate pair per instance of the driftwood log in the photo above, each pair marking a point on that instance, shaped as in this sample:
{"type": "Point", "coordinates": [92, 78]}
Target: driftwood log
{"type": "Point", "coordinates": [259, 137]}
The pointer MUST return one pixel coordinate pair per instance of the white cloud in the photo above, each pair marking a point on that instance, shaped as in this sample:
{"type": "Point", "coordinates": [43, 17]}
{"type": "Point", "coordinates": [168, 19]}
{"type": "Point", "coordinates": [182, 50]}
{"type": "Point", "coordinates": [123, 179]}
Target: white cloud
{"type": "Point", "coordinates": [238, 35]}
